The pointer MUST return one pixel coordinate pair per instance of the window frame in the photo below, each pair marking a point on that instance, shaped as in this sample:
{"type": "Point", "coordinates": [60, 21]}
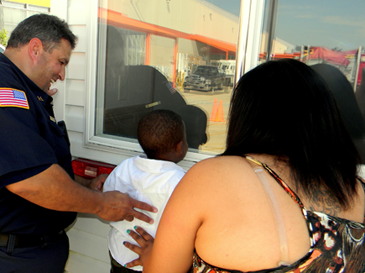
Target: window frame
{"type": "Point", "coordinates": [250, 24]}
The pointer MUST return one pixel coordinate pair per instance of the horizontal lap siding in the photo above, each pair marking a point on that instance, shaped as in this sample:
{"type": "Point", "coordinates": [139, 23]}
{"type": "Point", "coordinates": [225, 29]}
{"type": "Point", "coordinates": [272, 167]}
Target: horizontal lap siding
{"type": "Point", "coordinates": [88, 246]}
{"type": "Point", "coordinates": [88, 235]}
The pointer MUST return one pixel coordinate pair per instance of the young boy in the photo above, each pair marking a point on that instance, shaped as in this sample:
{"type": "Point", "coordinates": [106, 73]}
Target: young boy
{"type": "Point", "coordinates": [151, 179]}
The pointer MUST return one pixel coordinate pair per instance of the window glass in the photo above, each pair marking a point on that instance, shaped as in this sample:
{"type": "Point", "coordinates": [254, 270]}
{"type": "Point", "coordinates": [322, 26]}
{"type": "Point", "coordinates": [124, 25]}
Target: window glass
{"type": "Point", "coordinates": [324, 34]}
{"type": "Point", "coordinates": [314, 32]}
{"type": "Point", "coordinates": [161, 54]}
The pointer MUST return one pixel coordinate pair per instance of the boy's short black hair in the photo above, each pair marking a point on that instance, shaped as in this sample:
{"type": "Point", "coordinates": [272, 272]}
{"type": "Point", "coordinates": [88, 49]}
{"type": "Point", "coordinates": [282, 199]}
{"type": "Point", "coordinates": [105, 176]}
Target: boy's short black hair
{"type": "Point", "coordinates": [160, 131]}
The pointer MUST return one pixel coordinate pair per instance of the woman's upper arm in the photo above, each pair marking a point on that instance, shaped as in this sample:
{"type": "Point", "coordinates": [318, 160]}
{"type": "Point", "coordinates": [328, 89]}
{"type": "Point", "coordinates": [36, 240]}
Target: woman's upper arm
{"type": "Point", "coordinates": [174, 244]}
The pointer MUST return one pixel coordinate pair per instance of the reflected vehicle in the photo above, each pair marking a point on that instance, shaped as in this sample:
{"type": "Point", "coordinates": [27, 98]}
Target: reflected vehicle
{"type": "Point", "coordinates": [204, 78]}
{"type": "Point", "coordinates": [131, 91]}
{"type": "Point", "coordinates": [2, 48]}
{"type": "Point", "coordinates": [228, 67]}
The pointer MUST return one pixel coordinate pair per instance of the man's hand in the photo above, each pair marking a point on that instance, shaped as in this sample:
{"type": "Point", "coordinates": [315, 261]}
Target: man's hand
{"type": "Point", "coordinates": [54, 189]}
{"type": "Point", "coordinates": [94, 184]}
{"type": "Point", "coordinates": [119, 206]}
{"type": "Point", "coordinates": [98, 182]}
{"type": "Point", "coordinates": [146, 243]}
{"type": "Point", "coordinates": [51, 92]}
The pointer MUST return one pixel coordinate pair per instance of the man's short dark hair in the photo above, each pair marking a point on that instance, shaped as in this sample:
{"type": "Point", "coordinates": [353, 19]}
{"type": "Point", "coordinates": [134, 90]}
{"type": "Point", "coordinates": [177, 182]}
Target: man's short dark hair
{"type": "Point", "coordinates": [160, 131]}
{"type": "Point", "coordinates": [47, 28]}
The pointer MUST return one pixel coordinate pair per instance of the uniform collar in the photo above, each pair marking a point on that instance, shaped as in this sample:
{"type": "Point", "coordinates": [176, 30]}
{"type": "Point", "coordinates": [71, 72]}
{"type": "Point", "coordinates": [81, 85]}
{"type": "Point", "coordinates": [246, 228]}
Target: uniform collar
{"type": "Point", "coordinates": [43, 98]}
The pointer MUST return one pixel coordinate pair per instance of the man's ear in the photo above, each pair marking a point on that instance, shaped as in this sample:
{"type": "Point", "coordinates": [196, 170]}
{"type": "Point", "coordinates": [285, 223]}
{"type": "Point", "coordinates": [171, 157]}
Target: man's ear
{"type": "Point", "coordinates": [35, 47]}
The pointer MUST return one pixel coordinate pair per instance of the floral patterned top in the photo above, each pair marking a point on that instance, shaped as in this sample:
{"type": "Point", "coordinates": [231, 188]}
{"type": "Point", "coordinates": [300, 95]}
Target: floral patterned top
{"type": "Point", "coordinates": [337, 244]}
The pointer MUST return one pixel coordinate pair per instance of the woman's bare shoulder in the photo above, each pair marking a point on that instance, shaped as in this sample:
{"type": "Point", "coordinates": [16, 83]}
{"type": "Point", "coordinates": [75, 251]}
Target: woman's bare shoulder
{"type": "Point", "coordinates": [219, 170]}
{"type": "Point", "coordinates": [217, 165]}
{"type": "Point", "coordinates": [221, 161]}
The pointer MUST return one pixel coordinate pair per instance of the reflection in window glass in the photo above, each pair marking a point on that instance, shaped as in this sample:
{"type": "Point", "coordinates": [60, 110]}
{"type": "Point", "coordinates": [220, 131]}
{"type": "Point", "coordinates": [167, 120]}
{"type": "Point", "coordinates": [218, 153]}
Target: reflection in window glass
{"type": "Point", "coordinates": [315, 32]}
{"type": "Point", "coordinates": [329, 36]}
{"type": "Point", "coordinates": [177, 55]}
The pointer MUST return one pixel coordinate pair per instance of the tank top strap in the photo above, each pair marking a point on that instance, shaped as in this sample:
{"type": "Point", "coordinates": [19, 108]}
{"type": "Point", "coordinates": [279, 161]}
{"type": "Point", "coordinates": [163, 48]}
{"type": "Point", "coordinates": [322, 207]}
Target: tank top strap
{"type": "Point", "coordinates": [362, 183]}
{"type": "Point", "coordinates": [291, 193]}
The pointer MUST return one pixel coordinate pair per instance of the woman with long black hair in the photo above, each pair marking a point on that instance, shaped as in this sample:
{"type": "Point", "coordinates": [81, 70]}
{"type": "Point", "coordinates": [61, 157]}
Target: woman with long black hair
{"type": "Point", "coordinates": [283, 197]}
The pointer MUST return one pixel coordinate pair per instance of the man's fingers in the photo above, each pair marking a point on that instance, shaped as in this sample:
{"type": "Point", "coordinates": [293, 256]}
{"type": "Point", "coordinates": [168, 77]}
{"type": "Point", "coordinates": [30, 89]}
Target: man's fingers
{"type": "Point", "coordinates": [143, 206]}
{"type": "Point", "coordinates": [119, 206]}
{"type": "Point", "coordinates": [143, 217]}
{"type": "Point", "coordinates": [98, 182]}
{"type": "Point", "coordinates": [129, 218]}
{"type": "Point", "coordinates": [51, 92]}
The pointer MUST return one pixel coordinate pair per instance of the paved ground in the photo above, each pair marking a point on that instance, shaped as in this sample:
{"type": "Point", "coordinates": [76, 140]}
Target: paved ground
{"type": "Point", "coordinates": [216, 131]}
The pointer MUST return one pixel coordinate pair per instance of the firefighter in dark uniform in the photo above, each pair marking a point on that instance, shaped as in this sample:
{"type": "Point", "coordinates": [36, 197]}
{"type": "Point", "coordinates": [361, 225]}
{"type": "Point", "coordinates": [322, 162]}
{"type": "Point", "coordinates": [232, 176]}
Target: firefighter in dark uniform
{"type": "Point", "coordinates": [38, 196]}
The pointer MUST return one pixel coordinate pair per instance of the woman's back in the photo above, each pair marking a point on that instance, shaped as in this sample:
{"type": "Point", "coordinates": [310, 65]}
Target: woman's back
{"type": "Point", "coordinates": [240, 231]}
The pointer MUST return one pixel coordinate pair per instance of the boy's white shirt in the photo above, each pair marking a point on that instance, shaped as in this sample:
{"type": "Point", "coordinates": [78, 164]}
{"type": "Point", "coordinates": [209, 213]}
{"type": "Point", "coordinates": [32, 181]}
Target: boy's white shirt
{"type": "Point", "coordinates": [147, 180]}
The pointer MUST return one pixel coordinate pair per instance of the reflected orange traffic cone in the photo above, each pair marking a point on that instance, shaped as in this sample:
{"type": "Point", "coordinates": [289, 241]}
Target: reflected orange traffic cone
{"type": "Point", "coordinates": [214, 110]}
{"type": "Point", "coordinates": [219, 117]}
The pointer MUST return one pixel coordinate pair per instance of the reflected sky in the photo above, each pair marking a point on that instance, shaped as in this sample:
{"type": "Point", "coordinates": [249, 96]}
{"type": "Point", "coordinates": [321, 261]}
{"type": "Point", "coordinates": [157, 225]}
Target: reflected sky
{"type": "Point", "coordinates": [329, 23]}
{"type": "Point", "coordinates": [232, 6]}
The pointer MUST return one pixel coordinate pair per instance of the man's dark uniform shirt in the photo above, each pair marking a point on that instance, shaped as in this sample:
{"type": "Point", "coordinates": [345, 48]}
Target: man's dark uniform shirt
{"type": "Point", "coordinates": [30, 142]}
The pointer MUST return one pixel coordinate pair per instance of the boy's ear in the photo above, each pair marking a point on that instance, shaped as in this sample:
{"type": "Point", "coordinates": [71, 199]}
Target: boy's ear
{"type": "Point", "coordinates": [179, 147]}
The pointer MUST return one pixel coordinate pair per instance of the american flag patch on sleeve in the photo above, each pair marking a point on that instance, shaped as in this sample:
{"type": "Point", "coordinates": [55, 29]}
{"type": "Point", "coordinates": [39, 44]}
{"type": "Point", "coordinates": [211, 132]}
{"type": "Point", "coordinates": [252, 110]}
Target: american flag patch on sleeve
{"type": "Point", "coordinates": [13, 98]}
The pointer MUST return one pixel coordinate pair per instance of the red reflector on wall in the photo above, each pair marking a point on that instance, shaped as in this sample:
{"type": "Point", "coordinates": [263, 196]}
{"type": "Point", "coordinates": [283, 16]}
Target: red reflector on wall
{"type": "Point", "coordinates": [90, 169]}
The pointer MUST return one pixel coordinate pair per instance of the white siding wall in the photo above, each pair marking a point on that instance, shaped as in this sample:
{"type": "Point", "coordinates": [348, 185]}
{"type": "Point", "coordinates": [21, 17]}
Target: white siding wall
{"type": "Point", "coordinates": [88, 246]}
{"type": "Point", "coordinates": [88, 243]}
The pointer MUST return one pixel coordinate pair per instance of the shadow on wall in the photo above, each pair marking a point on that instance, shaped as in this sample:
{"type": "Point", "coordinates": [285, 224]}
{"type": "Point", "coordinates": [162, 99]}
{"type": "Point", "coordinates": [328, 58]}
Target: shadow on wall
{"type": "Point", "coordinates": [347, 104]}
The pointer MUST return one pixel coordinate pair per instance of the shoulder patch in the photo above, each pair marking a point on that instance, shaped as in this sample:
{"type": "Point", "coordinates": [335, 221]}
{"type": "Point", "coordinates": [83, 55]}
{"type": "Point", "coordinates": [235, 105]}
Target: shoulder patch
{"type": "Point", "coordinates": [13, 98]}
